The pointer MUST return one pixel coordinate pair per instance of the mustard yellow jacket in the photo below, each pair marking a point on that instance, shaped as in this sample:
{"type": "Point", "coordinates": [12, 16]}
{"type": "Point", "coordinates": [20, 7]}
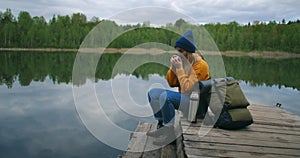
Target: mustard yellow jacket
{"type": "Point", "coordinates": [186, 83]}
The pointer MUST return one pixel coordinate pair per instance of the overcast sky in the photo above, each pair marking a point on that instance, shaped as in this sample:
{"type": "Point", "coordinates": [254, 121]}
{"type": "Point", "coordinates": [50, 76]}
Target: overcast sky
{"type": "Point", "coordinates": [203, 11]}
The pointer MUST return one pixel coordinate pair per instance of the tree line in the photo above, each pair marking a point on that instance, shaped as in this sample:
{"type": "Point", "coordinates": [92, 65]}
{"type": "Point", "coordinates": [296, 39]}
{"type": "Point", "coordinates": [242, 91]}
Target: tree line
{"type": "Point", "coordinates": [25, 31]}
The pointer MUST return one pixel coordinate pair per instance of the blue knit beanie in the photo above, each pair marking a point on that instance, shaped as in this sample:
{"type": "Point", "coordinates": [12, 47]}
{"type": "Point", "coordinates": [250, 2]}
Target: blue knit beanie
{"type": "Point", "coordinates": [186, 42]}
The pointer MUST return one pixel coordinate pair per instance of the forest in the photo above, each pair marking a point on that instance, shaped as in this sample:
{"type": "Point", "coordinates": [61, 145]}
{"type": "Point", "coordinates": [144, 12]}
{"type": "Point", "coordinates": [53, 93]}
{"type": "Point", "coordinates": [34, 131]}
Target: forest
{"type": "Point", "coordinates": [68, 31]}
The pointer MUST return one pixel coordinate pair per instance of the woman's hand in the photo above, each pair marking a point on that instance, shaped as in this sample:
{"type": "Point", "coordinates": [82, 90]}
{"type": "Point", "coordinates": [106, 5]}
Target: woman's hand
{"type": "Point", "coordinates": [176, 62]}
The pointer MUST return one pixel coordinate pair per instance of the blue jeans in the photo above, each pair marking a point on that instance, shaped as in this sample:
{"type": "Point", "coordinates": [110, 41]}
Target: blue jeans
{"type": "Point", "coordinates": [164, 102]}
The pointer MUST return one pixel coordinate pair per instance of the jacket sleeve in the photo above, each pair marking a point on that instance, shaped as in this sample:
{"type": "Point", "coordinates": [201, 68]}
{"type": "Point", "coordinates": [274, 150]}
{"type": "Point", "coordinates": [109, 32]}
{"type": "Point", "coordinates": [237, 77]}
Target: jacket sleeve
{"type": "Point", "coordinates": [187, 83]}
{"type": "Point", "coordinates": [172, 78]}
{"type": "Point", "coordinates": [199, 72]}
{"type": "Point", "coordinates": [202, 70]}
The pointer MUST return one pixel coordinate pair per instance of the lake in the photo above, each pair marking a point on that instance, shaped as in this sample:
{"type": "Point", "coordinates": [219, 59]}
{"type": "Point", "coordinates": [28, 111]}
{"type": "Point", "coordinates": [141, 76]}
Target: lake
{"type": "Point", "coordinates": [38, 116]}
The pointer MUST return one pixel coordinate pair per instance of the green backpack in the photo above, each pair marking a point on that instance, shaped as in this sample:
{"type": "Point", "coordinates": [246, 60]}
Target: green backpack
{"type": "Point", "coordinates": [227, 102]}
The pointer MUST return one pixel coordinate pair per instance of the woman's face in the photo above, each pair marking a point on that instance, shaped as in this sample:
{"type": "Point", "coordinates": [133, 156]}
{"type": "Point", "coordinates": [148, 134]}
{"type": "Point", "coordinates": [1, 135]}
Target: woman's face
{"type": "Point", "coordinates": [182, 52]}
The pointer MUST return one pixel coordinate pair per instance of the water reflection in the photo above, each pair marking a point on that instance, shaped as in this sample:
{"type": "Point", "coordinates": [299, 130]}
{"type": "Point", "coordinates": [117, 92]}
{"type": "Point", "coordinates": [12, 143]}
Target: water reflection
{"type": "Point", "coordinates": [36, 66]}
{"type": "Point", "coordinates": [38, 117]}
{"type": "Point", "coordinates": [270, 95]}
{"type": "Point", "coordinates": [40, 120]}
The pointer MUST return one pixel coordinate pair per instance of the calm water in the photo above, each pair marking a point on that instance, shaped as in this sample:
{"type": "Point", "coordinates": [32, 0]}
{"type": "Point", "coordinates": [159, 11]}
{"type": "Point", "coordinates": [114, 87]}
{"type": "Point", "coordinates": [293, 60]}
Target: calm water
{"type": "Point", "coordinates": [38, 117]}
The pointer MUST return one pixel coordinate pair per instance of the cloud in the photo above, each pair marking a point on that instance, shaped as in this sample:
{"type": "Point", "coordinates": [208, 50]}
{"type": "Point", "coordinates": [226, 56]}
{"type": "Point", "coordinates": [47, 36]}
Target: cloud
{"type": "Point", "coordinates": [204, 11]}
{"type": "Point", "coordinates": [241, 11]}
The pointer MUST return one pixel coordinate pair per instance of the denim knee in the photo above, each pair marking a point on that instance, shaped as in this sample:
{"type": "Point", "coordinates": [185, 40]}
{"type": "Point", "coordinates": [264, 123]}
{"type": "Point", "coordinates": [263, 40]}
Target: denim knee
{"type": "Point", "coordinates": [163, 99]}
{"type": "Point", "coordinates": [154, 93]}
{"type": "Point", "coordinates": [167, 108]}
{"type": "Point", "coordinates": [153, 97]}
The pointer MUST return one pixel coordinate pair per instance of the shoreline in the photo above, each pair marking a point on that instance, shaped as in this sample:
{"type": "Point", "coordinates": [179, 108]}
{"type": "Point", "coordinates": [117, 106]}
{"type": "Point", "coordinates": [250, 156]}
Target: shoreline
{"type": "Point", "coordinates": [255, 54]}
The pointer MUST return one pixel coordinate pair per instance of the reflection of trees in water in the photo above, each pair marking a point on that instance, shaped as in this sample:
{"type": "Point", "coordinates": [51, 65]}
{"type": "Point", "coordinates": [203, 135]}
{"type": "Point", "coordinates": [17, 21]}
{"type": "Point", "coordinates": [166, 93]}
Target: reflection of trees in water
{"type": "Point", "coordinates": [58, 66]}
{"type": "Point", "coordinates": [33, 66]}
{"type": "Point", "coordinates": [258, 71]}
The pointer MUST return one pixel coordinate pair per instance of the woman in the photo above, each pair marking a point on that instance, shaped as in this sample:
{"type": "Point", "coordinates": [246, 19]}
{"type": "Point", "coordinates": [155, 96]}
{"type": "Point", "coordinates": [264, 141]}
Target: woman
{"type": "Point", "coordinates": [186, 69]}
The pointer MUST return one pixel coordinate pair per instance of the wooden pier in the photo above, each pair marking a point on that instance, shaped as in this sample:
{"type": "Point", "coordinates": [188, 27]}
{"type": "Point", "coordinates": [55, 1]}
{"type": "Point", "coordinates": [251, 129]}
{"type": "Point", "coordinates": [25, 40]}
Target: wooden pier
{"type": "Point", "coordinates": [274, 133]}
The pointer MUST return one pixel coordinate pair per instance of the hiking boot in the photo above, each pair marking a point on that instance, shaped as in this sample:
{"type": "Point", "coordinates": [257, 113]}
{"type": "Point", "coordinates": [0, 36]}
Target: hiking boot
{"type": "Point", "coordinates": [159, 124]}
{"type": "Point", "coordinates": [165, 139]}
{"type": "Point", "coordinates": [166, 130]}
{"type": "Point", "coordinates": [155, 133]}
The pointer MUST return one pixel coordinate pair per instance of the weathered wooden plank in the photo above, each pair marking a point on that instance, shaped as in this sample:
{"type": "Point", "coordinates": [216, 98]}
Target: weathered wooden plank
{"type": "Point", "coordinates": [261, 128]}
{"type": "Point", "coordinates": [267, 107]}
{"type": "Point", "coordinates": [277, 123]}
{"type": "Point", "coordinates": [272, 112]}
{"type": "Point", "coordinates": [276, 118]}
{"type": "Point", "coordinates": [245, 135]}
{"type": "Point", "coordinates": [151, 150]}
{"type": "Point", "coordinates": [274, 115]}
{"type": "Point", "coordinates": [275, 133]}
{"type": "Point", "coordinates": [199, 153]}
{"type": "Point", "coordinates": [168, 151]}
{"type": "Point", "coordinates": [243, 148]}
{"type": "Point", "coordinates": [250, 128]}
{"type": "Point", "coordinates": [241, 141]}
{"type": "Point", "coordinates": [179, 151]}
{"type": "Point", "coordinates": [294, 130]}
{"type": "Point", "coordinates": [202, 156]}
{"type": "Point", "coordinates": [138, 141]}
{"type": "Point", "coordinates": [289, 120]}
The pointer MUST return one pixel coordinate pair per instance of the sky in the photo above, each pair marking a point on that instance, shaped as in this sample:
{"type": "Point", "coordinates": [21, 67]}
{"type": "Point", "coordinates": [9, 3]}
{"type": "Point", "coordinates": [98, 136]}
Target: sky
{"type": "Point", "coordinates": [202, 11]}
